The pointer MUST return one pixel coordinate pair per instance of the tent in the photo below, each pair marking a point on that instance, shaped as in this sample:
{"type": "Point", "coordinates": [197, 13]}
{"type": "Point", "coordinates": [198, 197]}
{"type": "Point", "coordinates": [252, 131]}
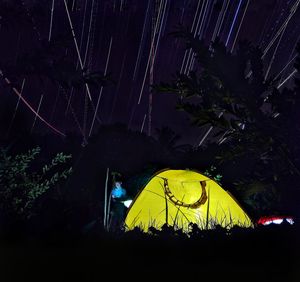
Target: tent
{"type": "Point", "coordinates": [181, 197]}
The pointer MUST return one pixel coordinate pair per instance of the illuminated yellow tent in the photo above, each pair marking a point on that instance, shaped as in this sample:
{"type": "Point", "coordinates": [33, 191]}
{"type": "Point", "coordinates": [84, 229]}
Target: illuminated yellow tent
{"type": "Point", "coordinates": [181, 197]}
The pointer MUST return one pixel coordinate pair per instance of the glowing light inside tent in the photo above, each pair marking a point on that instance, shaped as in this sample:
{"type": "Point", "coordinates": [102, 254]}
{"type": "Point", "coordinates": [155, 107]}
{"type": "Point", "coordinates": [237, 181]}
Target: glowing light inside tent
{"type": "Point", "coordinates": [290, 220]}
{"type": "Point", "coordinates": [267, 222]}
{"type": "Point", "coordinates": [275, 220]}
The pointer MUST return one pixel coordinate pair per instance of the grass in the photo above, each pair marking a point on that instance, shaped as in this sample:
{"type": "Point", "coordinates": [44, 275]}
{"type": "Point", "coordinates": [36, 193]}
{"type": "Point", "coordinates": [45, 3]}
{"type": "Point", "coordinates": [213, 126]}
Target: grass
{"type": "Point", "coordinates": [209, 222]}
{"type": "Point", "coordinates": [267, 253]}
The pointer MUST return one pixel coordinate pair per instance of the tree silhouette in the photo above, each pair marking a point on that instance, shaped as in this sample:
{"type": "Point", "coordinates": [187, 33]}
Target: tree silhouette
{"type": "Point", "coordinates": [50, 62]}
{"type": "Point", "coordinates": [247, 111]}
{"type": "Point", "coordinates": [167, 137]}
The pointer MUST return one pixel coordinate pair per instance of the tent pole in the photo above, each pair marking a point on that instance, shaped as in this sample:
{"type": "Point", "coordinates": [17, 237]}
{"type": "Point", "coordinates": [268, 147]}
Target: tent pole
{"type": "Point", "coordinates": [207, 212]}
{"type": "Point", "coordinates": [167, 213]}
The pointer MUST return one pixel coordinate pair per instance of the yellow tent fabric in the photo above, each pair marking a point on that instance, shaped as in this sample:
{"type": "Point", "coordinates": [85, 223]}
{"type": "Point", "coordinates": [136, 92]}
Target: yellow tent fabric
{"type": "Point", "coordinates": [182, 197]}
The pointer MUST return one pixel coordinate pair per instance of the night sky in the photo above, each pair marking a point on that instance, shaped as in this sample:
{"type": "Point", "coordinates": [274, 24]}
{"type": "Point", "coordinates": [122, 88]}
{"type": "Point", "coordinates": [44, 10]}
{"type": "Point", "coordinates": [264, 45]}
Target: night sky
{"type": "Point", "coordinates": [116, 35]}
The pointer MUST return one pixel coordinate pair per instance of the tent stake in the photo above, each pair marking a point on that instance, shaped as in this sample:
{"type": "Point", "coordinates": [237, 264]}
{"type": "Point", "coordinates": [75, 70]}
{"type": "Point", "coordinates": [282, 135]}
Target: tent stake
{"type": "Point", "coordinates": [167, 215]}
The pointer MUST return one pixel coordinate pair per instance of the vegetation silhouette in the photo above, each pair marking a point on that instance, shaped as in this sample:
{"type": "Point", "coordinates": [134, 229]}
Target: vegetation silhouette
{"type": "Point", "coordinates": [254, 138]}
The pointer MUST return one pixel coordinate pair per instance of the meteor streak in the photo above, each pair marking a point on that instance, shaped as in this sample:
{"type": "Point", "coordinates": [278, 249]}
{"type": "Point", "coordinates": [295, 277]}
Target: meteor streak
{"type": "Point", "coordinates": [289, 76]}
{"type": "Point", "coordinates": [51, 20]}
{"type": "Point", "coordinates": [151, 50]}
{"type": "Point", "coordinates": [101, 89]}
{"type": "Point", "coordinates": [238, 31]}
{"type": "Point", "coordinates": [30, 107]}
{"type": "Point", "coordinates": [233, 22]}
{"type": "Point", "coordinates": [77, 49]}
{"type": "Point", "coordinates": [38, 110]}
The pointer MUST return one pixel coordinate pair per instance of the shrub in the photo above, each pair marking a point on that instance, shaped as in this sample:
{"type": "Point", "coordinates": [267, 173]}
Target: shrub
{"type": "Point", "coordinates": [22, 183]}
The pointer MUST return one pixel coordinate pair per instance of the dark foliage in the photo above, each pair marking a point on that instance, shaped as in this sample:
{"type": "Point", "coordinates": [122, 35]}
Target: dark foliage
{"type": "Point", "coordinates": [51, 62]}
{"type": "Point", "coordinates": [15, 15]}
{"type": "Point", "coordinates": [266, 253]}
{"type": "Point", "coordinates": [229, 92]}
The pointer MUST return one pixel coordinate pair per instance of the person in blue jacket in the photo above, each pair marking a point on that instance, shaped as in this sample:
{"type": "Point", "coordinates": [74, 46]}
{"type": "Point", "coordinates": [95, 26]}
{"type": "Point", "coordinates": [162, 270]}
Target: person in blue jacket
{"type": "Point", "coordinates": [118, 195]}
{"type": "Point", "coordinates": [118, 192]}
